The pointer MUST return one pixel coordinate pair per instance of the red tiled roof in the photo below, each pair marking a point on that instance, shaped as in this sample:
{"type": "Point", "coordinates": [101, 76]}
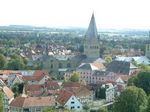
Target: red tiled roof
{"type": "Point", "coordinates": [37, 75]}
{"type": "Point", "coordinates": [8, 92]}
{"type": "Point", "coordinates": [27, 102]}
{"type": "Point", "coordinates": [71, 84]}
{"type": "Point", "coordinates": [63, 96]}
{"type": "Point", "coordinates": [52, 85]}
{"type": "Point", "coordinates": [33, 87]}
{"type": "Point", "coordinates": [79, 91]}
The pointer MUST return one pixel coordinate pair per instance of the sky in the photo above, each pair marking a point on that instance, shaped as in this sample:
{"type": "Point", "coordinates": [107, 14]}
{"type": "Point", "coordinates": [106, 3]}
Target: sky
{"type": "Point", "coordinates": [114, 14]}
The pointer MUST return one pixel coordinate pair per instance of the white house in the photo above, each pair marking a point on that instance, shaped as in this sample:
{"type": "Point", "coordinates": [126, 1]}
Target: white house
{"type": "Point", "coordinates": [68, 100]}
{"type": "Point", "coordinates": [110, 92]}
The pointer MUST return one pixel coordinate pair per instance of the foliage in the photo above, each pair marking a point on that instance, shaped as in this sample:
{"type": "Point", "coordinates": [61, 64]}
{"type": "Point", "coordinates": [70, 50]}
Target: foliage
{"type": "Point", "coordinates": [144, 67]}
{"type": "Point", "coordinates": [1, 102]}
{"type": "Point", "coordinates": [108, 59]}
{"type": "Point", "coordinates": [134, 62]}
{"type": "Point", "coordinates": [18, 88]}
{"type": "Point", "coordinates": [50, 109]}
{"type": "Point", "coordinates": [86, 108]}
{"type": "Point", "coordinates": [148, 105]}
{"type": "Point", "coordinates": [100, 93]}
{"type": "Point", "coordinates": [132, 99]}
{"type": "Point", "coordinates": [2, 61]}
{"type": "Point", "coordinates": [102, 110]}
{"type": "Point", "coordinates": [16, 64]}
{"type": "Point", "coordinates": [143, 81]}
{"type": "Point", "coordinates": [75, 77]}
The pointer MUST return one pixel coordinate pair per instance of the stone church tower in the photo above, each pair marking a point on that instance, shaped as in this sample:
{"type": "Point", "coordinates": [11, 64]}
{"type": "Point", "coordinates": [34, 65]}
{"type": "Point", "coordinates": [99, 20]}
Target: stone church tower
{"type": "Point", "coordinates": [91, 45]}
{"type": "Point", "coordinates": [147, 50]}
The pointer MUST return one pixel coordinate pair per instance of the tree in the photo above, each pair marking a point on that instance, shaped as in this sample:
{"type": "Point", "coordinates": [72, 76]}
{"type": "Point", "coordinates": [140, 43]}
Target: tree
{"type": "Point", "coordinates": [1, 102]}
{"type": "Point", "coordinates": [16, 64]}
{"type": "Point", "coordinates": [108, 59]}
{"type": "Point", "coordinates": [2, 61]}
{"type": "Point", "coordinates": [50, 109]}
{"type": "Point", "coordinates": [144, 67]}
{"type": "Point", "coordinates": [100, 93]}
{"type": "Point", "coordinates": [102, 110]}
{"type": "Point", "coordinates": [75, 77]}
{"type": "Point", "coordinates": [148, 105]}
{"type": "Point", "coordinates": [142, 80]}
{"type": "Point", "coordinates": [18, 89]}
{"type": "Point", "coordinates": [134, 62]}
{"type": "Point", "coordinates": [86, 108]}
{"type": "Point", "coordinates": [132, 99]}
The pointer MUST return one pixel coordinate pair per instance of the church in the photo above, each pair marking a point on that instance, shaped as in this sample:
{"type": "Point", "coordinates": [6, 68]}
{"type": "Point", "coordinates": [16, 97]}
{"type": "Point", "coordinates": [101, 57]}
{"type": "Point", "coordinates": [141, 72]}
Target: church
{"type": "Point", "coordinates": [91, 44]}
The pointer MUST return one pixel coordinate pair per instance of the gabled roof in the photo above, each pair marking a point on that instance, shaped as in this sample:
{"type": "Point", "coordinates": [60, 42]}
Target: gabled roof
{"type": "Point", "coordinates": [71, 84]}
{"type": "Point", "coordinates": [91, 66]}
{"type": "Point", "coordinates": [37, 76]}
{"type": "Point", "coordinates": [52, 85]}
{"type": "Point", "coordinates": [63, 96]}
{"type": "Point", "coordinates": [92, 29]}
{"type": "Point", "coordinates": [8, 92]}
{"type": "Point", "coordinates": [121, 67]}
{"type": "Point", "coordinates": [27, 102]}
{"type": "Point", "coordinates": [79, 91]}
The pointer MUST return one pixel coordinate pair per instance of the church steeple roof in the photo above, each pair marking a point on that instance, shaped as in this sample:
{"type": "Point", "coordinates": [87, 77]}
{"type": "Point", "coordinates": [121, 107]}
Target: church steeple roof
{"type": "Point", "coordinates": [92, 29]}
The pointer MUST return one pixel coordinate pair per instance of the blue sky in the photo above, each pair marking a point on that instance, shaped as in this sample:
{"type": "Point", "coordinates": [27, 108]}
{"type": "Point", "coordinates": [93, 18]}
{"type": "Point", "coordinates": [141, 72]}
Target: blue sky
{"type": "Point", "coordinates": [76, 13]}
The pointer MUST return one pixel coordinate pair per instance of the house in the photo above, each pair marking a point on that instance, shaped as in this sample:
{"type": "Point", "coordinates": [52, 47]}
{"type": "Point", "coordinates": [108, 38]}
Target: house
{"type": "Point", "coordinates": [71, 85]}
{"type": "Point", "coordinates": [138, 59]}
{"type": "Point", "coordinates": [38, 77]}
{"type": "Point", "coordinates": [110, 92]}
{"type": "Point", "coordinates": [82, 93]}
{"type": "Point", "coordinates": [121, 67]}
{"type": "Point", "coordinates": [90, 73]}
{"type": "Point", "coordinates": [13, 79]}
{"type": "Point", "coordinates": [33, 90]}
{"type": "Point", "coordinates": [8, 97]}
{"type": "Point", "coordinates": [31, 104]}
{"type": "Point", "coordinates": [68, 100]}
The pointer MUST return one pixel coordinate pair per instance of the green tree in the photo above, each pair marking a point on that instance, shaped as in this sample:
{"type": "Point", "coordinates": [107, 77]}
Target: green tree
{"type": "Point", "coordinates": [2, 61]}
{"type": "Point", "coordinates": [75, 77]}
{"type": "Point", "coordinates": [100, 93]}
{"type": "Point", "coordinates": [16, 64]}
{"type": "Point", "coordinates": [1, 102]}
{"type": "Point", "coordinates": [108, 59]}
{"type": "Point", "coordinates": [50, 109]}
{"type": "Point", "coordinates": [144, 67]}
{"type": "Point", "coordinates": [18, 89]}
{"type": "Point", "coordinates": [102, 110]}
{"type": "Point", "coordinates": [143, 81]}
{"type": "Point", "coordinates": [86, 107]}
{"type": "Point", "coordinates": [134, 62]}
{"type": "Point", "coordinates": [132, 99]}
{"type": "Point", "coordinates": [148, 105]}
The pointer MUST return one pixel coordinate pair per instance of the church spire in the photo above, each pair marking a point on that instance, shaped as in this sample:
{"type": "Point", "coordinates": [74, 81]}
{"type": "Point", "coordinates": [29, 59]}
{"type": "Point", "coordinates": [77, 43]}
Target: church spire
{"type": "Point", "coordinates": [92, 29]}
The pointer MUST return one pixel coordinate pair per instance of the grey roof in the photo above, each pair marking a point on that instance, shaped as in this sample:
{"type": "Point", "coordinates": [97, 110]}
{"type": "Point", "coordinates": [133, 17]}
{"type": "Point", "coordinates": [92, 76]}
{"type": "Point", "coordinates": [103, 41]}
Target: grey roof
{"type": "Point", "coordinates": [92, 30]}
{"type": "Point", "coordinates": [122, 67]}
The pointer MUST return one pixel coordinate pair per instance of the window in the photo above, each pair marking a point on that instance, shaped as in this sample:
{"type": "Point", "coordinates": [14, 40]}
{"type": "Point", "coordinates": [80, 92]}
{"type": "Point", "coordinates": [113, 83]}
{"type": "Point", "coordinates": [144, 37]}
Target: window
{"type": "Point", "coordinates": [72, 107]}
{"type": "Point", "coordinates": [72, 102]}
{"type": "Point", "coordinates": [78, 106]}
{"type": "Point", "coordinates": [68, 65]}
{"type": "Point", "coordinates": [38, 109]}
{"type": "Point", "coordinates": [51, 65]}
{"type": "Point", "coordinates": [60, 65]}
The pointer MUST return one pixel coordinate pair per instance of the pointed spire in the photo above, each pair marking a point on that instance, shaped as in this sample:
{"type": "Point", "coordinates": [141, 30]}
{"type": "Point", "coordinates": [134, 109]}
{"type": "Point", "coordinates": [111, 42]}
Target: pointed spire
{"type": "Point", "coordinates": [92, 29]}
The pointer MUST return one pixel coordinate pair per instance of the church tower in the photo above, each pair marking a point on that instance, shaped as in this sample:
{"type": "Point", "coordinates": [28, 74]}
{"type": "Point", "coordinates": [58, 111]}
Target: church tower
{"type": "Point", "coordinates": [147, 51]}
{"type": "Point", "coordinates": [91, 45]}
